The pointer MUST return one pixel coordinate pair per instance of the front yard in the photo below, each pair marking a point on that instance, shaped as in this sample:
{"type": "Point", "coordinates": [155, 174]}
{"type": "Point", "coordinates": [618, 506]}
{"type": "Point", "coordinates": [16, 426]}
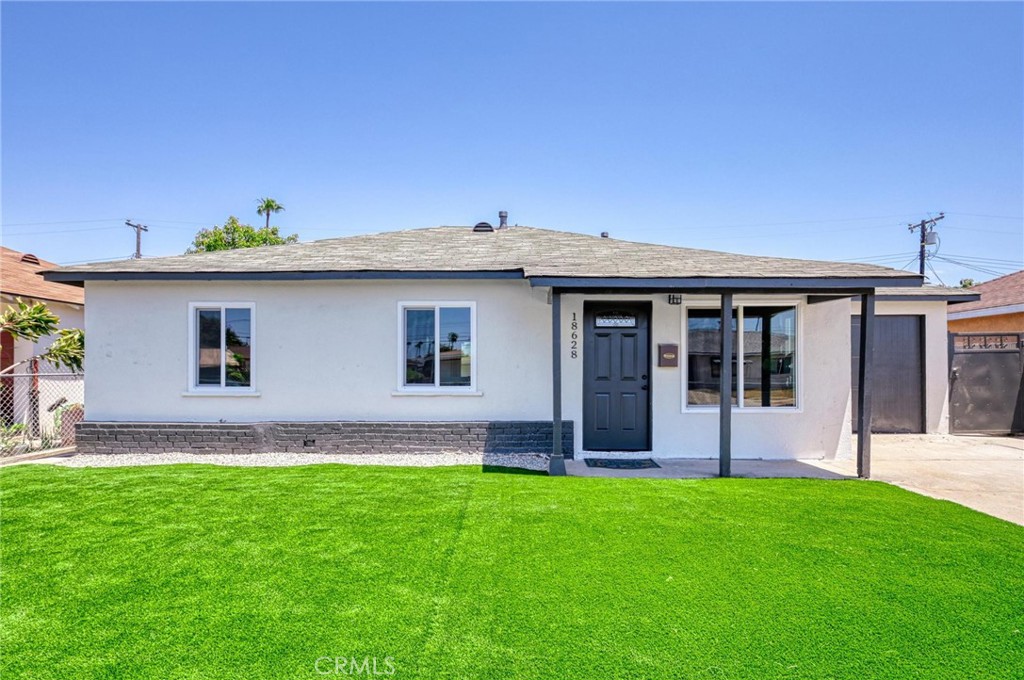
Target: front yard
{"type": "Point", "coordinates": [207, 572]}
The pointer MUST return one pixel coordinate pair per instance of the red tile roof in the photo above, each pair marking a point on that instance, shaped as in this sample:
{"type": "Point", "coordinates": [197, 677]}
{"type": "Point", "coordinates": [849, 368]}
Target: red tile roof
{"type": "Point", "coordinates": [1002, 292]}
{"type": "Point", "coordinates": [19, 276]}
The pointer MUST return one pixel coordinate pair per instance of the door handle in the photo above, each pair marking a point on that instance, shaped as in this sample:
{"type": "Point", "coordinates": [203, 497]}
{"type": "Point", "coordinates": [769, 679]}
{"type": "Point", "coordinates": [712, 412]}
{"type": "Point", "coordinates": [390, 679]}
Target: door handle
{"type": "Point", "coordinates": [643, 387]}
{"type": "Point", "coordinates": [643, 377]}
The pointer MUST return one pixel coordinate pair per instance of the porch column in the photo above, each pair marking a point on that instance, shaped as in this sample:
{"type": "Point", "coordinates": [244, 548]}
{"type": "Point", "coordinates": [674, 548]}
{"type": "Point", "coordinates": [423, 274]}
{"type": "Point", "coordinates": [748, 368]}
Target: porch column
{"type": "Point", "coordinates": [556, 465]}
{"type": "Point", "coordinates": [867, 350]}
{"type": "Point", "coordinates": [725, 393]}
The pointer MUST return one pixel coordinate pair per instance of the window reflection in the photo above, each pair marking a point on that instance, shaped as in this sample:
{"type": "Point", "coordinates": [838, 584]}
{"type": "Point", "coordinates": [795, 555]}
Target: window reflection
{"type": "Point", "coordinates": [209, 347]}
{"type": "Point", "coordinates": [456, 346]}
{"type": "Point", "coordinates": [769, 356]}
{"type": "Point", "coordinates": [419, 347]}
{"type": "Point", "coordinates": [238, 346]}
{"type": "Point", "coordinates": [704, 357]}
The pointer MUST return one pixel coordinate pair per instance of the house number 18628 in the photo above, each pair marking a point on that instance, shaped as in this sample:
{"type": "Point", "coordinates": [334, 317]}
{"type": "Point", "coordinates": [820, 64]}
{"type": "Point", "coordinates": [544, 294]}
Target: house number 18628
{"type": "Point", "coordinates": [574, 336]}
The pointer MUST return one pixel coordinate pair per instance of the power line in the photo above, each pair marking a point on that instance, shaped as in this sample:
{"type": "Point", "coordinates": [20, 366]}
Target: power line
{"type": "Point", "coordinates": [56, 231]}
{"type": "Point", "coordinates": [991, 217]}
{"type": "Point", "coordinates": [910, 262]}
{"type": "Point", "coordinates": [973, 267]}
{"type": "Point", "coordinates": [988, 259]}
{"type": "Point", "coordinates": [930, 266]}
{"type": "Point", "coordinates": [873, 257]}
{"type": "Point", "coordinates": [983, 231]}
{"type": "Point", "coordinates": [988, 265]}
{"type": "Point", "coordinates": [41, 224]}
{"type": "Point", "coordinates": [104, 259]}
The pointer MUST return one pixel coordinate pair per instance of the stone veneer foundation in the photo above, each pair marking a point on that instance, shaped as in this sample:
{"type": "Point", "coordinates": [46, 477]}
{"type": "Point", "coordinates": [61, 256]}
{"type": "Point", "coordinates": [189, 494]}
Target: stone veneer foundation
{"type": "Point", "coordinates": [513, 436]}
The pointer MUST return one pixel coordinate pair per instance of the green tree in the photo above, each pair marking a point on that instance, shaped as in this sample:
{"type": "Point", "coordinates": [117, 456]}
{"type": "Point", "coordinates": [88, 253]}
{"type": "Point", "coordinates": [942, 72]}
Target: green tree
{"type": "Point", "coordinates": [966, 283]}
{"type": "Point", "coordinates": [266, 206]}
{"type": "Point", "coordinates": [31, 321]}
{"type": "Point", "coordinates": [237, 235]}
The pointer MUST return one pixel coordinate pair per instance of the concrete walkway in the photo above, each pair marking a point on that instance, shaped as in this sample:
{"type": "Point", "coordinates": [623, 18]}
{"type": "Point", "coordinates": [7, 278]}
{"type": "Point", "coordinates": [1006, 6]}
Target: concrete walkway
{"type": "Point", "coordinates": [699, 468]}
{"type": "Point", "coordinates": [984, 473]}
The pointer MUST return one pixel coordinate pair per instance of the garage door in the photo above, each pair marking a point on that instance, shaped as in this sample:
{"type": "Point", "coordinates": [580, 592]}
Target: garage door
{"type": "Point", "coordinates": [898, 396]}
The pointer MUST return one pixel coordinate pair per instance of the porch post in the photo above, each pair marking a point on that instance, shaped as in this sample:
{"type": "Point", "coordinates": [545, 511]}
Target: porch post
{"type": "Point", "coordinates": [725, 393]}
{"type": "Point", "coordinates": [867, 350]}
{"type": "Point", "coordinates": [556, 465]}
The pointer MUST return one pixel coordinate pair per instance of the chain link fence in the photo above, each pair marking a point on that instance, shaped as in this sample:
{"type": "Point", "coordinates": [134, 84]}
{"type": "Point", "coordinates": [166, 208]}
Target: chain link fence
{"type": "Point", "coordinates": [40, 404]}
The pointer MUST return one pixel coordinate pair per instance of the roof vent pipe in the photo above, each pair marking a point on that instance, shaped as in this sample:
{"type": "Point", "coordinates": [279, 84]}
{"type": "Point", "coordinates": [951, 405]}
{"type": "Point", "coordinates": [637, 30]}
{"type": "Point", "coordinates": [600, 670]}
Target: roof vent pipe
{"type": "Point", "coordinates": [502, 219]}
{"type": "Point", "coordinates": [604, 234]}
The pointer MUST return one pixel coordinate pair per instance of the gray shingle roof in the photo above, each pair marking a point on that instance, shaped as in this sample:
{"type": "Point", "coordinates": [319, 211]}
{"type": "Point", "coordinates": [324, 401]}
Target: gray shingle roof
{"type": "Point", "coordinates": [948, 293]}
{"type": "Point", "coordinates": [534, 252]}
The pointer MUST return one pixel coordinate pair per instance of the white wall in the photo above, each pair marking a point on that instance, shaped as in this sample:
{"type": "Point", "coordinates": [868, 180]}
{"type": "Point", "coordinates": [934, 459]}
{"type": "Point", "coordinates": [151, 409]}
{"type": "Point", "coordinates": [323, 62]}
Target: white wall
{"type": "Point", "coordinates": [324, 350]}
{"type": "Point", "coordinates": [818, 428]}
{"type": "Point", "coordinates": [936, 357]}
{"type": "Point", "coordinates": [328, 351]}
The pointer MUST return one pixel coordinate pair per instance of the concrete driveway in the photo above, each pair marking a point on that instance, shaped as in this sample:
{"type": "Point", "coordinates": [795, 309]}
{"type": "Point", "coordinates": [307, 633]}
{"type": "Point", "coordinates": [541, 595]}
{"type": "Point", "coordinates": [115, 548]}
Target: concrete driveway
{"type": "Point", "coordinates": [984, 473]}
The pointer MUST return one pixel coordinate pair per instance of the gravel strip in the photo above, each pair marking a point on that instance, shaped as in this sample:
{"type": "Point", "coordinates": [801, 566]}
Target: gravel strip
{"type": "Point", "coordinates": [529, 462]}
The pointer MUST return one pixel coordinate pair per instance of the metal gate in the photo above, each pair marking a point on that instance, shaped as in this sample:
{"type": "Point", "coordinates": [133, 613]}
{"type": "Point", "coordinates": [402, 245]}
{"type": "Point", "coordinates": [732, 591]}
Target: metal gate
{"type": "Point", "coordinates": [986, 391]}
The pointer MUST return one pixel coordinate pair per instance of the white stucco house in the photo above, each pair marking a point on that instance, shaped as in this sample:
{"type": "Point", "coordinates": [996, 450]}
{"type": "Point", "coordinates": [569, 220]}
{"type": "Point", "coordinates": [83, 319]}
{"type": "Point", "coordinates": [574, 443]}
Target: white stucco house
{"type": "Point", "coordinates": [507, 339]}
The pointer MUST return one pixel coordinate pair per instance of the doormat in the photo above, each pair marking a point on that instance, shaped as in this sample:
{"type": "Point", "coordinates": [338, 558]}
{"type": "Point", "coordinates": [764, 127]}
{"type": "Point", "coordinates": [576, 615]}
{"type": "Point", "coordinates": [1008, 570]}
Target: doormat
{"type": "Point", "coordinates": [622, 464]}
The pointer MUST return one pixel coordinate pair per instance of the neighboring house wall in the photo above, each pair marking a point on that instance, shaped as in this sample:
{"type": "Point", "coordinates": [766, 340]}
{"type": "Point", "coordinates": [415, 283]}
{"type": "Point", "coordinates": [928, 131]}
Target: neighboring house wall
{"type": "Point", "coordinates": [936, 357]}
{"type": "Point", "coordinates": [997, 323]}
{"type": "Point", "coordinates": [25, 399]}
{"type": "Point", "coordinates": [71, 316]}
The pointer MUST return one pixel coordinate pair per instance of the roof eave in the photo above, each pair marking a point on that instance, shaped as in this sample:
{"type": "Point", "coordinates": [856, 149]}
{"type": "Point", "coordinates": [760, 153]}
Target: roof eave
{"type": "Point", "coordinates": [79, 277]}
{"type": "Point", "coordinates": [736, 284]}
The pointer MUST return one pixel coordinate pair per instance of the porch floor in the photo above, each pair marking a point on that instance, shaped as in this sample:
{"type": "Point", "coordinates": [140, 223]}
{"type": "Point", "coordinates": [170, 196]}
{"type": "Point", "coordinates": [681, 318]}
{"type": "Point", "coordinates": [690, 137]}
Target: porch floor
{"type": "Point", "coordinates": [698, 468]}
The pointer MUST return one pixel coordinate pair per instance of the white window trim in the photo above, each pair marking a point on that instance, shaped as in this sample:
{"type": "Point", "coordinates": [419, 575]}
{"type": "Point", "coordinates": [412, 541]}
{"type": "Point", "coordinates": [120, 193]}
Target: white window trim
{"type": "Point", "coordinates": [739, 304]}
{"type": "Point", "coordinates": [436, 389]}
{"type": "Point", "coordinates": [192, 388]}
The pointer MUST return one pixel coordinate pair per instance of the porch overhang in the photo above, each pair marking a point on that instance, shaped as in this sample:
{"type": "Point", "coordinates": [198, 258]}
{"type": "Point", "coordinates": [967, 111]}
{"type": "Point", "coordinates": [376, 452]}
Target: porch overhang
{"type": "Point", "coordinates": [817, 290]}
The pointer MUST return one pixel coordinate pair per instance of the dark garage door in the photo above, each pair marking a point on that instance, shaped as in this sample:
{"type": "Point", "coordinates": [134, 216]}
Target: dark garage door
{"type": "Point", "coordinates": [898, 396]}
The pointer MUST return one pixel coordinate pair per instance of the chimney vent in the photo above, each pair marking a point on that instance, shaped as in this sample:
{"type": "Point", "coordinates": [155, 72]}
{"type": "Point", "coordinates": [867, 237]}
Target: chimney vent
{"type": "Point", "coordinates": [604, 234]}
{"type": "Point", "coordinates": [483, 227]}
{"type": "Point", "coordinates": [502, 219]}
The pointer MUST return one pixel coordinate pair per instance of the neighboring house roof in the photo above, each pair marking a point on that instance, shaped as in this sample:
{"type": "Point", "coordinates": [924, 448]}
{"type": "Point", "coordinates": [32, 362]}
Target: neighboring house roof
{"type": "Point", "coordinates": [710, 342]}
{"type": "Point", "coordinates": [1004, 295]}
{"type": "Point", "coordinates": [516, 252]}
{"type": "Point", "coordinates": [19, 277]}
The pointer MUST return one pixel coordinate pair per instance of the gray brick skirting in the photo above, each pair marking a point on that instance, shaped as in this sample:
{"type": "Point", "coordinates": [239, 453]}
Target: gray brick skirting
{"type": "Point", "coordinates": [499, 436]}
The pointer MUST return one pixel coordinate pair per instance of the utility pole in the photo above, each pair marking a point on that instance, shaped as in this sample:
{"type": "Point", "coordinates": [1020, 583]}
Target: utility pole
{"type": "Point", "coordinates": [139, 228]}
{"type": "Point", "coordinates": [926, 228]}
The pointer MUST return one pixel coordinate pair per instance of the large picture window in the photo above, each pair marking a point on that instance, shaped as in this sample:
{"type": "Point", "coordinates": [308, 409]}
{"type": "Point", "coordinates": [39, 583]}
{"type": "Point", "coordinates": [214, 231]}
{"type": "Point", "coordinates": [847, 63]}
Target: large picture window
{"type": "Point", "coordinates": [437, 346]}
{"type": "Point", "coordinates": [767, 344]}
{"type": "Point", "coordinates": [222, 344]}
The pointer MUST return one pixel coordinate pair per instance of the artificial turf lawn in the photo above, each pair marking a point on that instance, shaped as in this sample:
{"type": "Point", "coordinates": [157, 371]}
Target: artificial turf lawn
{"type": "Point", "coordinates": [209, 572]}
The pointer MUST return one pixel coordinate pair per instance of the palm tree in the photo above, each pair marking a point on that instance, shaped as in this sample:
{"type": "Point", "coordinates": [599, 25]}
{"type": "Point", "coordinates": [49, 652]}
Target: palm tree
{"type": "Point", "coordinates": [265, 206]}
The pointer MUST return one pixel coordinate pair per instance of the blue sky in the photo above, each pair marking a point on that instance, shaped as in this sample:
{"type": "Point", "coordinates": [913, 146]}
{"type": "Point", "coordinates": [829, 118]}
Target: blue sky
{"type": "Point", "coordinates": [798, 130]}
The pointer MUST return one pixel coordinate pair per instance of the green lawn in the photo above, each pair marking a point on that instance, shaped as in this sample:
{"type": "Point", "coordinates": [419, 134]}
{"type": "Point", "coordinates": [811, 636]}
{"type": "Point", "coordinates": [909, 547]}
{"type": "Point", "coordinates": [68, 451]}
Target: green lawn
{"type": "Point", "coordinates": [205, 572]}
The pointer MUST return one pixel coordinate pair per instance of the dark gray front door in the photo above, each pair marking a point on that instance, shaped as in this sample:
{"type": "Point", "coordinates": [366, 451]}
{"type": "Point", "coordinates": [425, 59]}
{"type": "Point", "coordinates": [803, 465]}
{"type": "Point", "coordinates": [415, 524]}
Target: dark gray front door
{"type": "Point", "coordinates": [898, 376]}
{"type": "Point", "coordinates": [616, 372]}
